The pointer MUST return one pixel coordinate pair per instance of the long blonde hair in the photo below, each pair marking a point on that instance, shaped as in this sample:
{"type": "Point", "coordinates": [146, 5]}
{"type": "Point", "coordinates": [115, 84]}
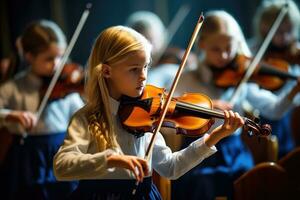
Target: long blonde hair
{"type": "Point", "coordinates": [112, 45]}
{"type": "Point", "coordinates": [218, 20]}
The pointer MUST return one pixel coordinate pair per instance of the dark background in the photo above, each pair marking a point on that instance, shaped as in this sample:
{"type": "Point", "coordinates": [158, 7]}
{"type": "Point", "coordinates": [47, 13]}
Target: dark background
{"type": "Point", "coordinates": [15, 14]}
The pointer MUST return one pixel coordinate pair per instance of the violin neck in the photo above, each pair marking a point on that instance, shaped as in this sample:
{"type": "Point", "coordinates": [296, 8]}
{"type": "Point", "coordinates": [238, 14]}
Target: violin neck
{"type": "Point", "coordinates": [197, 111]}
{"type": "Point", "coordinates": [267, 69]}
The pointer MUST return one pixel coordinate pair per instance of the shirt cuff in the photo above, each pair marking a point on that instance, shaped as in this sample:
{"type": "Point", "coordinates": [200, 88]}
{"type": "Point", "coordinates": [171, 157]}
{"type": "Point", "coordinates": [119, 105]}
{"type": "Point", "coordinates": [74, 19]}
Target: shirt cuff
{"type": "Point", "coordinates": [202, 149]}
{"type": "Point", "coordinates": [103, 160]}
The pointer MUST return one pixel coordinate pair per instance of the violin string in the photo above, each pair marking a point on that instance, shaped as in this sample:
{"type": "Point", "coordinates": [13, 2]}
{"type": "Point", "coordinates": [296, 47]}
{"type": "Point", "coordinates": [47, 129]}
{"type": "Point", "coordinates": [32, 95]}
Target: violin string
{"type": "Point", "coordinates": [200, 108]}
{"type": "Point", "coordinates": [248, 122]}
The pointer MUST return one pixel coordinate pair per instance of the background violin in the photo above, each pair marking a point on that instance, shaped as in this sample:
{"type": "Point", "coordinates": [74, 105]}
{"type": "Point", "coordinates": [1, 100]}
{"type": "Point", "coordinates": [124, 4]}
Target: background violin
{"type": "Point", "coordinates": [70, 80]}
{"type": "Point", "coordinates": [190, 114]}
{"type": "Point", "coordinates": [270, 74]}
{"type": "Point", "coordinates": [291, 54]}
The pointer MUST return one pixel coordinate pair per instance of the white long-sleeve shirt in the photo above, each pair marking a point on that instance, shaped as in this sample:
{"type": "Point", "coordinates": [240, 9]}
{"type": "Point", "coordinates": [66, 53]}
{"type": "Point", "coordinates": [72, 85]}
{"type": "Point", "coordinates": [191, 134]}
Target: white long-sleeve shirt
{"type": "Point", "coordinates": [78, 158]}
{"type": "Point", "coordinates": [22, 94]}
{"type": "Point", "coordinates": [269, 105]}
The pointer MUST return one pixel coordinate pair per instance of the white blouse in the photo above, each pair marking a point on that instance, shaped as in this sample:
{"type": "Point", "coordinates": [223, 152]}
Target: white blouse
{"type": "Point", "coordinates": [22, 94]}
{"type": "Point", "coordinates": [78, 158]}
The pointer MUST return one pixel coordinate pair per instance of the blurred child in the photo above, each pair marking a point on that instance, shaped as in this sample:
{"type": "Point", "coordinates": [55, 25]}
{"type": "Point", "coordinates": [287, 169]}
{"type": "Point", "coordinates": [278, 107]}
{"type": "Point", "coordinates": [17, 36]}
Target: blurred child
{"type": "Point", "coordinates": [284, 45]}
{"type": "Point", "coordinates": [27, 170]}
{"type": "Point", "coordinates": [221, 41]}
{"type": "Point", "coordinates": [98, 151]}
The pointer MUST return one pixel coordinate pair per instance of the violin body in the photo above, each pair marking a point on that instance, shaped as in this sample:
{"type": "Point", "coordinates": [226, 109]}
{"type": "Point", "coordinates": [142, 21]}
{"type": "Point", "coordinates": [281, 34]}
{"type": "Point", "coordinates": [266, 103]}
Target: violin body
{"type": "Point", "coordinates": [290, 54]}
{"type": "Point", "coordinates": [71, 80]}
{"type": "Point", "coordinates": [176, 118]}
{"type": "Point", "coordinates": [270, 75]}
{"type": "Point", "coordinates": [190, 114]}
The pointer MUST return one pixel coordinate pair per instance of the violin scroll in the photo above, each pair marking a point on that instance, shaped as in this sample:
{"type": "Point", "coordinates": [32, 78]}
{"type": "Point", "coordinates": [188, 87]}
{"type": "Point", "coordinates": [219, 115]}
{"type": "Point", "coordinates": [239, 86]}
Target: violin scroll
{"type": "Point", "coordinates": [254, 128]}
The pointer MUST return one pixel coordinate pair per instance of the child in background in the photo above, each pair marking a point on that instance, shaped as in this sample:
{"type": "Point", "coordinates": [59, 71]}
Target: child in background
{"type": "Point", "coordinates": [221, 41]}
{"type": "Point", "coordinates": [284, 45]}
{"type": "Point", "coordinates": [98, 151]}
{"type": "Point", "coordinates": [165, 59]}
{"type": "Point", "coordinates": [26, 171]}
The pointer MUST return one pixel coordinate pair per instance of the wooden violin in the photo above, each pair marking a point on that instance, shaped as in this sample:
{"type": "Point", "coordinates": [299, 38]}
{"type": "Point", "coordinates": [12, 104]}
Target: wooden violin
{"type": "Point", "coordinates": [71, 80]}
{"type": "Point", "coordinates": [190, 114]}
{"type": "Point", "coordinates": [270, 74]}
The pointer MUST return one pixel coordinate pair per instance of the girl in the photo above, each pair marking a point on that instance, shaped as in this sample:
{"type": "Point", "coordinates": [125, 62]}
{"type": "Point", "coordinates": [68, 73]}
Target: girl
{"type": "Point", "coordinates": [284, 45]}
{"type": "Point", "coordinates": [164, 61]}
{"type": "Point", "coordinates": [98, 151]}
{"type": "Point", "coordinates": [220, 42]}
{"type": "Point", "coordinates": [27, 171]}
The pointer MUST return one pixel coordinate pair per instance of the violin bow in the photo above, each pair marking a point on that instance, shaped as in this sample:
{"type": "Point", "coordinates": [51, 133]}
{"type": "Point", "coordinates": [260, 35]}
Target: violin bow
{"type": "Point", "coordinates": [172, 29]}
{"type": "Point", "coordinates": [252, 66]}
{"type": "Point", "coordinates": [60, 65]}
{"type": "Point", "coordinates": [172, 90]}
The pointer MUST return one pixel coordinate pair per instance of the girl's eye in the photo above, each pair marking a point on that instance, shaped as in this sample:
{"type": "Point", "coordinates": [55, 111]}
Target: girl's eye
{"type": "Point", "coordinates": [134, 69]}
{"type": "Point", "coordinates": [147, 67]}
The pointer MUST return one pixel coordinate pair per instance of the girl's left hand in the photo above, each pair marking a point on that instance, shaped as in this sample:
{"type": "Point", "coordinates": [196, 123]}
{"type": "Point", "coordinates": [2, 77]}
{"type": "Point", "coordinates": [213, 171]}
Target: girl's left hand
{"type": "Point", "coordinates": [232, 121]}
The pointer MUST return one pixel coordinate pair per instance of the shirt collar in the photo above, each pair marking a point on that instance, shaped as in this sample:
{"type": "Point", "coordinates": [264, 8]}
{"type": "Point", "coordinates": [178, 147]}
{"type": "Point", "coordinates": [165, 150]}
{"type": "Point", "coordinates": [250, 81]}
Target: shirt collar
{"type": "Point", "coordinates": [114, 105]}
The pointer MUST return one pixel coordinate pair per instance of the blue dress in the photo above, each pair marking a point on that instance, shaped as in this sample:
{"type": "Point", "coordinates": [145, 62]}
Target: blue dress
{"type": "Point", "coordinates": [27, 171]}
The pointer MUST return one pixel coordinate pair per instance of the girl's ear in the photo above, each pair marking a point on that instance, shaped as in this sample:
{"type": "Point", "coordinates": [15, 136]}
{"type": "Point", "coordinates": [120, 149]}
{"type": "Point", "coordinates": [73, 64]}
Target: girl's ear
{"type": "Point", "coordinates": [106, 70]}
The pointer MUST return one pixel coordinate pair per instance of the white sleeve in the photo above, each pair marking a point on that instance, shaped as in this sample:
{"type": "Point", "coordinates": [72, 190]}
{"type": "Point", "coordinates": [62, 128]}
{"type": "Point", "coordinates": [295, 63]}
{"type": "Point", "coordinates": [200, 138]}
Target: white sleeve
{"type": "Point", "coordinates": [174, 165]}
{"type": "Point", "coordinates": [72, 162]}
{"type": "Point", "coordinates": [270, 105]}
{"type": "Point", "coordinates": [75, 103]}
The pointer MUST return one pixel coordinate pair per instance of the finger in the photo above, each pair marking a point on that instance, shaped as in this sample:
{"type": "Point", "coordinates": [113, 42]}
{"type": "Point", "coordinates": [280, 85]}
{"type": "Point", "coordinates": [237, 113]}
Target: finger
{"type": "Point", "coordinates": [32, 119]}
{"type": "Point", "coordinates": [22, 120]}
{"type": "Point", "coordinates": [139, 168]}
{"type": "Point", "coordinates": [27, 120]}
{"type": "Point", "coordinates": [132, 168]}
{"type": "Point", "coordinates": [231, 118]}
{"type": "Point", "coordinates": [240, 120]}
{"type": "Point", "coordinates": [145, 167]}
{"type": "Point", "coordinates": [226, 118]}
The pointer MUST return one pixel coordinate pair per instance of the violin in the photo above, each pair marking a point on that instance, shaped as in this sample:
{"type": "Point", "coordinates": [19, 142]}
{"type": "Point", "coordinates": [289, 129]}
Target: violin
{"type": "Point", "coordinates": [190, 114]}
{"type": "Point", "coordinates": [270, 74]}
{"type": "Point", "coordinates": [70, 80]}
{"type": "Point", "coordinates": [291, 55]}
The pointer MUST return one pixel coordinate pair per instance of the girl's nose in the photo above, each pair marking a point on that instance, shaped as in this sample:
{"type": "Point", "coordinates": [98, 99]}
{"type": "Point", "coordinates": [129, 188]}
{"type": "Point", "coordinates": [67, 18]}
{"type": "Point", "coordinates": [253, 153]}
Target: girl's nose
{"type": "Point", "coordinates": [143, 74]}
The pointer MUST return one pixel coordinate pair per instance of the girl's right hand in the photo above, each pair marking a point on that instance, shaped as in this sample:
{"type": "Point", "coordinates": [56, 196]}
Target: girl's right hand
{"type": "Point", "coordinates": [26, 119]}
{"type": "Point", "coordinates": [137, 165]}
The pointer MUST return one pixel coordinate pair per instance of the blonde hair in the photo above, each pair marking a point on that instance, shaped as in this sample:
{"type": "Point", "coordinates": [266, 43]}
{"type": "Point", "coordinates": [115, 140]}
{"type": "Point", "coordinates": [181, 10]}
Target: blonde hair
{"type": "Point", "coordinates": [268, 12]}
{"type": "Point", "coordinates": [216, 22]}
{"type": "Point", "coordinates": [112, 45]}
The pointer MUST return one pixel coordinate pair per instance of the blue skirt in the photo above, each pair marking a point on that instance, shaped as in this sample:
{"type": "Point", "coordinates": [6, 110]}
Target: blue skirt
{"type": "Point", "coordinates": [27, 171]}
{"type": "Point", "coordinates": [115, 190]}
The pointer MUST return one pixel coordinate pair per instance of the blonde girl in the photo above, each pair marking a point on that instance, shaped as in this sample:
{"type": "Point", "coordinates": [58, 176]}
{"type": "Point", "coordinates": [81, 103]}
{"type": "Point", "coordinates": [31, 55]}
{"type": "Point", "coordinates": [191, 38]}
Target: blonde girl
{"type": "Point", "coordinates": [98, 151]}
